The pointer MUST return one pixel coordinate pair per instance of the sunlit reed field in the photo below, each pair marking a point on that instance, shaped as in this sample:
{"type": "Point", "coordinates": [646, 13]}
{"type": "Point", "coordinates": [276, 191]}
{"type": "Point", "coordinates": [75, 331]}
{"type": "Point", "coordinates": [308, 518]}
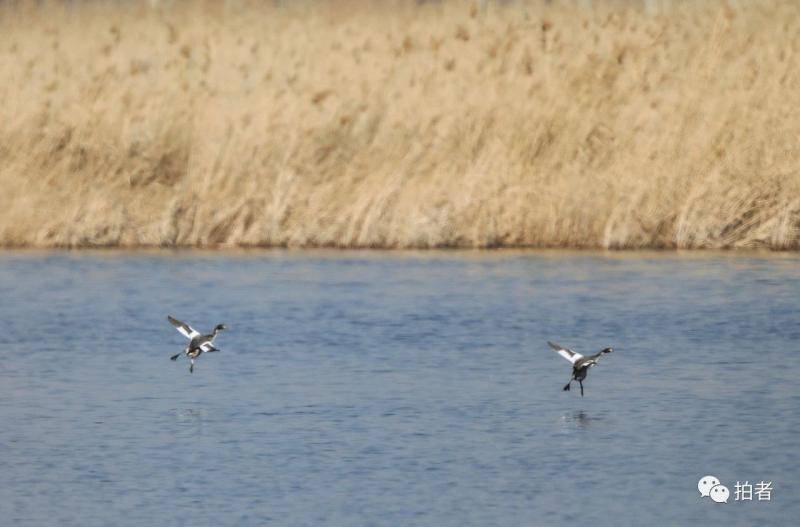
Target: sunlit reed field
{"type": "Point", "coordinates": [376, 124]}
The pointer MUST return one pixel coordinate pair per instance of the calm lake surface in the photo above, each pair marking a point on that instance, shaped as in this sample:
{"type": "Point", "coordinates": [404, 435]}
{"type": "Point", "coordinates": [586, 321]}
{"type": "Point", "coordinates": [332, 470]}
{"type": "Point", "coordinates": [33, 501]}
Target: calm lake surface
{"type": "Point", "coordinates": [372, 388]}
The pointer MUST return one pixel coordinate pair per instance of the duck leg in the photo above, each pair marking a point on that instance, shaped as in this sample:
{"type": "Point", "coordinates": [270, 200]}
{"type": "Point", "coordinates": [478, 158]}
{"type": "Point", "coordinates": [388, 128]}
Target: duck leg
{"type": "Point", "coordinates": [175, 357]}
{"type": "Point", "coordinates": [191, 366]}
{"type": "Point", "coordinates": [581, 383]}
{"type": "Point", "coordinates": [566, 386]}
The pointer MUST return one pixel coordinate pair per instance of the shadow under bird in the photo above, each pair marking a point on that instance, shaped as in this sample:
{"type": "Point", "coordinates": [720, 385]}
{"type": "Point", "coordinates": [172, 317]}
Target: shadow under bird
{"type": "Point", "coordinates": [198, 343]}
{"type": "Point", "coordinates": [580, 364]}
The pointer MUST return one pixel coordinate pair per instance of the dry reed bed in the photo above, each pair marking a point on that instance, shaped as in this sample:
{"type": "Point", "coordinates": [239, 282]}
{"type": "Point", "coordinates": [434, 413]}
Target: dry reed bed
{"type": "Point", "coordinates": [221, 124]}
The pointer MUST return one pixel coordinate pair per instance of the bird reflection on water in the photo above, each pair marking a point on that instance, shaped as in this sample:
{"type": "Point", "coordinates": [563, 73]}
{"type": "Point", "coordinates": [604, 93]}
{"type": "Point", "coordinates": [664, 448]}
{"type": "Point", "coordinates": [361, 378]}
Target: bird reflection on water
{"type": "Point", "coordinates": [581, 419]}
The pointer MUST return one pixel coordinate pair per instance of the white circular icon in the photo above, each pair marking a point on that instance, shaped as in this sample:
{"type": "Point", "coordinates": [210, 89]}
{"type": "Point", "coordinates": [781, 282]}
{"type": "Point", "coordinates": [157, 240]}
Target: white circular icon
{"type": "Point", "coordinates": [705, 484]}
{"type": "Point", "coordinates": [719, 494]}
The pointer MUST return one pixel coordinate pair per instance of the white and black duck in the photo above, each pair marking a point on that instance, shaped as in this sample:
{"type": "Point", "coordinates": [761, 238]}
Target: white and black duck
{"type": "Point", "coordinates": [580, 364]}
{"type": "Point", "coordinates": [198, 343]}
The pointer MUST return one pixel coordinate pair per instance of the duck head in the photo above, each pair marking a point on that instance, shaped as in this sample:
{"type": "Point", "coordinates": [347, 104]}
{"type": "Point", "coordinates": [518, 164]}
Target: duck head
{"type": "Point", "coordinates": [608, 350]}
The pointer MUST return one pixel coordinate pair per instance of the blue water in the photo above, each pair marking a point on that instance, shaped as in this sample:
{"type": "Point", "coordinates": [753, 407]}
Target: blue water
{"type": "Point", "coordinates": [361, 388]}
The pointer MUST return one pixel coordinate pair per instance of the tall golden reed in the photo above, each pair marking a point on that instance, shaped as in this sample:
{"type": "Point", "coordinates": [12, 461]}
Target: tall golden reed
{"type": "Point", "coordinates": [374, 125]}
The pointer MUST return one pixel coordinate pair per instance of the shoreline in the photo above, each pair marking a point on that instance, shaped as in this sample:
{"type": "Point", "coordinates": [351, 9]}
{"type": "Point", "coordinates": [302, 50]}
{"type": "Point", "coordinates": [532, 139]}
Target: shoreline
{"type": "Point", "coordinates": [434, 251]}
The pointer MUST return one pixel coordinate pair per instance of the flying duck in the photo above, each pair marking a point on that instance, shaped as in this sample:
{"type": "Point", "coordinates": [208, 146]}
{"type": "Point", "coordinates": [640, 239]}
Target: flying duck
{"type": "Point", "coordinates": [580, 364]}
{"type": "Point", "coordinates": [197, 343]}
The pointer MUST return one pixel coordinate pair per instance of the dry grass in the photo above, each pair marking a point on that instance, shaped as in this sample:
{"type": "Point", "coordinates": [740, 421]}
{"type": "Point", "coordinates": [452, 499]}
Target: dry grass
{"type": "Point", "coordinates": [232, 123]}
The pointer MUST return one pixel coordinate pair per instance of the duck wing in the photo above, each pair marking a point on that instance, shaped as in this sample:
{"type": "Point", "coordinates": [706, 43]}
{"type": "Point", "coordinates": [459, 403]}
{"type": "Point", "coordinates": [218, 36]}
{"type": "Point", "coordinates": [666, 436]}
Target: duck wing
{"type": "Point", "coordinates": [568, 354]}
{"type": "Point", "coordinates": [183, 328]}
{"type": "Point", "coordinates": [205, 343]}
